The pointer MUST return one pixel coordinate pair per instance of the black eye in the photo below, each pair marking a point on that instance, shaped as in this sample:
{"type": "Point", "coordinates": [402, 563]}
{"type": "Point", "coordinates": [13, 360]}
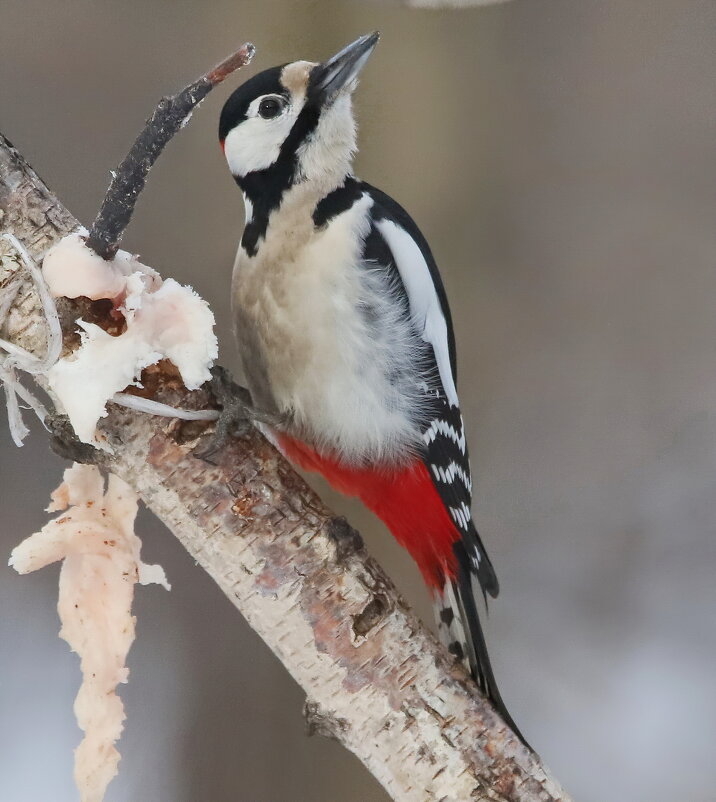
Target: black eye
{"type": "Point", "coordinates": [271, 107]}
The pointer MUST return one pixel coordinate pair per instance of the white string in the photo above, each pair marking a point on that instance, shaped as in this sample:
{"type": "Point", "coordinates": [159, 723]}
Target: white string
{"type": "Point", "coordinates": [164, 410]}
{"type": "Point", "coordinates": [21, 358]}
{"type": "Point", "coordinates": [9, 295]}
{"type": "Point", "coordinates": [18, 430]}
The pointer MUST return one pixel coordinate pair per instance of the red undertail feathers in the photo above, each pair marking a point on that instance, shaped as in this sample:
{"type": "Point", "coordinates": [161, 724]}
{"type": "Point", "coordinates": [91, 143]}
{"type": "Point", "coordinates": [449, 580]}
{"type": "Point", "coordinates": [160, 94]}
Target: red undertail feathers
{"type": "Point", "coordinates": [404, 498]}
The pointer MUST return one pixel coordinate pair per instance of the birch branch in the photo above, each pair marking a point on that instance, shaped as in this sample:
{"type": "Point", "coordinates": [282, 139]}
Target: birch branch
{"type": "Point", "coordinates": [375, 678]}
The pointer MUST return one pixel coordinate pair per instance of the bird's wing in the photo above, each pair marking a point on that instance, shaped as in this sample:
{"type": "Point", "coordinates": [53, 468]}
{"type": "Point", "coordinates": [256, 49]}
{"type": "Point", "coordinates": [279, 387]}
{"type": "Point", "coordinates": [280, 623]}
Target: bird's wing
{"type": "Point", "coordinates": [446, 454]}
{"type": "Point", "coordinates": [395, 240]}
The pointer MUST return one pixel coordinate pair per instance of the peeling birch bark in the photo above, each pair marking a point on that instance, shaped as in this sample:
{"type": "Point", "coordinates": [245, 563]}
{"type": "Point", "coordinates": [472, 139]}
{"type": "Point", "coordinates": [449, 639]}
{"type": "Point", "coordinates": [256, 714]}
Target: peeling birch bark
{"type": "Point", "coordinates": [375, 678]}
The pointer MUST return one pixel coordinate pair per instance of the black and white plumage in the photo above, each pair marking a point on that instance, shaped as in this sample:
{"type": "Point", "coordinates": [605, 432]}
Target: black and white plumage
{"type": "Point", "coordinates": [344, 332]}
{"type": "Point", "coordinates": [405, 250]}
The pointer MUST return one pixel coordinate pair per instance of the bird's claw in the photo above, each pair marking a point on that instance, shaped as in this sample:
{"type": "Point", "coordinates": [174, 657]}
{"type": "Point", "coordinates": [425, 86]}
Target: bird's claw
{"type": "Point", "coordinates": [237, 412]}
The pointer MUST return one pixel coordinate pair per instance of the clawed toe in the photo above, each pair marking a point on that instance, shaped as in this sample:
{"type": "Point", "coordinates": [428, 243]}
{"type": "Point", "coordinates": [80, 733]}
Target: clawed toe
{"type": "Point", "coordinates": [234, 421]}
{"type": "Point", "coordinates": [237, 413]}
{"type": "Point", "coordinates": [235, 416]}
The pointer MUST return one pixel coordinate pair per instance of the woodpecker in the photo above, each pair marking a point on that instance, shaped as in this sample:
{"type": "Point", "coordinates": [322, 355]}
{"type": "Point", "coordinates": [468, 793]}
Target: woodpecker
{"type": "Point", "coordinates": [345, 336]}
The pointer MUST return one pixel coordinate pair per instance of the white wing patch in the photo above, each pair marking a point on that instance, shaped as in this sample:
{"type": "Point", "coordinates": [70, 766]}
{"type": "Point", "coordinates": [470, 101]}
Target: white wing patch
{"type": "Point", "coordinates": [424, 302]}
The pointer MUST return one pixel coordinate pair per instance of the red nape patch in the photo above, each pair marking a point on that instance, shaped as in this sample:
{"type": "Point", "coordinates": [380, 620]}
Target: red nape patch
{"type": "Point", "coordinates": [405, 499]}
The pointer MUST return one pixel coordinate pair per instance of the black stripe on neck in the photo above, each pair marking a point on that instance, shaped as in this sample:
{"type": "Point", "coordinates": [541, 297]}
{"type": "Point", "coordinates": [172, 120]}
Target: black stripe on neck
{"type": "Point", "coordinates": [265, 188]}
{"type": "Point", "coordinates": [336, 202]}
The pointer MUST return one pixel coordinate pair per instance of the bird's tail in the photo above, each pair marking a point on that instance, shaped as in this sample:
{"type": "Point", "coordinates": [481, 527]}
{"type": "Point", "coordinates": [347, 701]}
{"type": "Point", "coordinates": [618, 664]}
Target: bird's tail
{"type": "Point", "coordinates": [461, 631]}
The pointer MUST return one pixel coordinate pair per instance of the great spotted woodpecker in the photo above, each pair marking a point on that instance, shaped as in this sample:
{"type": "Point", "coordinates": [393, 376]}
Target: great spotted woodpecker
{"type": "Point", "coordinates": [345, 335]}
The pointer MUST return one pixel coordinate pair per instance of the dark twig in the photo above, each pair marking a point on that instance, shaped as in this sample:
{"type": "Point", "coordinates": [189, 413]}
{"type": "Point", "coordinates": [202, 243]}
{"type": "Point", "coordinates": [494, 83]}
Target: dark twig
{"type": "Point", "coordinates": [65, 443]}
{"type": "Point", "coordinates": [128, 181]}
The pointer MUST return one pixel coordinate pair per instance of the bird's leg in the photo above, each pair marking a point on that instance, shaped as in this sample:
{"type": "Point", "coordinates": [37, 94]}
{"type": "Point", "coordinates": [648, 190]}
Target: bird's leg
{"type": "Point", "coordinates": [237, 414]}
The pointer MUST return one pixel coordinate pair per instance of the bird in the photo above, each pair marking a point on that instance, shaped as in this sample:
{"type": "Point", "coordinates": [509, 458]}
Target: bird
{"type": "Point", "coordinates": [345, 337]}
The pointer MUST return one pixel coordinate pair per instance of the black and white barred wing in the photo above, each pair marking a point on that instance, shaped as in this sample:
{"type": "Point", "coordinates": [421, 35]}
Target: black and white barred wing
{"type": "Point", "coordinates": [446, 455]}
{"type": "Point", "coordinates": [449, 463]}
{"type": "Point", "coordinates": [396, 243]}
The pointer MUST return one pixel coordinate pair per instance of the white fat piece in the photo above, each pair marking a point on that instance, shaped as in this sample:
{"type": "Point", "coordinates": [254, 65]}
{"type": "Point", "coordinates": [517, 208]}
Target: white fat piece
{"type": "Point", "coordinates": [423, 298]}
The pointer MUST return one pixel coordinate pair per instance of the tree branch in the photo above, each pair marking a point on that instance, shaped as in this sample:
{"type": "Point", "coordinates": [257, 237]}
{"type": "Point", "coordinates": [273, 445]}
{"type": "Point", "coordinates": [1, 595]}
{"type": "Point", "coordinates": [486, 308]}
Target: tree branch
{"type": "Point", "coordinates": [375, 678]}
{"type": "Point", "coordinates": [170, 115]}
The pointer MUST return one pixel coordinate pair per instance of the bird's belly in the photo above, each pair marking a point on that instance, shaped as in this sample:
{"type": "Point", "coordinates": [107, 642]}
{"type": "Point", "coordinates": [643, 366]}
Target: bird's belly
{"type": "Point", "coordinates": [344, 379]}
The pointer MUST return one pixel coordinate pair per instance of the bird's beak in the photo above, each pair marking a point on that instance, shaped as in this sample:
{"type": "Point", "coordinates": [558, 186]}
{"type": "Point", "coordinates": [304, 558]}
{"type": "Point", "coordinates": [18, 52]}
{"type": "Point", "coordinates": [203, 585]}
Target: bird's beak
{"type": "Point", "coordinates": [329, 78]}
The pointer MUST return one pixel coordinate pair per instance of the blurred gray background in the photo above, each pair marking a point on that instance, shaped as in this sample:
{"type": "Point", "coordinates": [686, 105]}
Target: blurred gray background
{"type": "Point", "coordinates": [560, 157]}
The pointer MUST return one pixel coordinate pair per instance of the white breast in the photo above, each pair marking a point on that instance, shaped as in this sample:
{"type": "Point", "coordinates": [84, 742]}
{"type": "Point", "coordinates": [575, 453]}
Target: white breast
{"type": "Point", "coordinates": [322, 340]}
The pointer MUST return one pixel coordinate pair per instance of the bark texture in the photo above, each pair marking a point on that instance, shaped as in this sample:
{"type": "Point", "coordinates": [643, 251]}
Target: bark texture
{"type": "Point", "coordinates": [375, 678]}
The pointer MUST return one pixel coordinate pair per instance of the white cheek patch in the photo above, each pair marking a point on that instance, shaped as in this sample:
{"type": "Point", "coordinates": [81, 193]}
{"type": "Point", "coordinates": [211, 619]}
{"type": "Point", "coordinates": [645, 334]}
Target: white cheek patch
{"type": "Point", "coordinates": [255, 143]}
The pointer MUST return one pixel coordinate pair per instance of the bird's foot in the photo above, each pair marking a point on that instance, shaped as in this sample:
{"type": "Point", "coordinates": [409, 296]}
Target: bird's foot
{"type": "Point", "coordinates": [237, 412]}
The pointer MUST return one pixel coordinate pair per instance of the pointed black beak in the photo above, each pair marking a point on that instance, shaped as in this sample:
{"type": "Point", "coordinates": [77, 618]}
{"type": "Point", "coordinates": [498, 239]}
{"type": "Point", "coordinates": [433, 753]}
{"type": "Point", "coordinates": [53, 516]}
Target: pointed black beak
{"type": "Point", "coordinates": [329, 78]}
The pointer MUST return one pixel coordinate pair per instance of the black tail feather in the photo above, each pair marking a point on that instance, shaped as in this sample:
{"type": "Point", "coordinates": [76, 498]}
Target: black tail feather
{"type": "Point", "coordinates": [478, 657]}
{"type": "Point", "coordinates": [460, 626]}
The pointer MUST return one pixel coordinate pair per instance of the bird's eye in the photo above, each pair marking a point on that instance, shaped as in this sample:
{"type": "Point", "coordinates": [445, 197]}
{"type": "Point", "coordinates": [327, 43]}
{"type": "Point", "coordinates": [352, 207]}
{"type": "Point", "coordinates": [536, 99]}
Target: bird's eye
{"type": "Point", "coordinates": [271, 107]}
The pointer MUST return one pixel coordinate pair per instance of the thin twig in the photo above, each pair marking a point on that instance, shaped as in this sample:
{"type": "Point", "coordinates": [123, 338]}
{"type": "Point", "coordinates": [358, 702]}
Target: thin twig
{"type": "Point", "coordinates": [171, 114]}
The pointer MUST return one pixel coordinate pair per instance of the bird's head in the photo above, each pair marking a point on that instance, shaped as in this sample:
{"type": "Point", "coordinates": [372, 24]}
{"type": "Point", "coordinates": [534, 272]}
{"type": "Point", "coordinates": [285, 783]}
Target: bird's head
{"type": "Point", "coordinates": [294, 123]}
